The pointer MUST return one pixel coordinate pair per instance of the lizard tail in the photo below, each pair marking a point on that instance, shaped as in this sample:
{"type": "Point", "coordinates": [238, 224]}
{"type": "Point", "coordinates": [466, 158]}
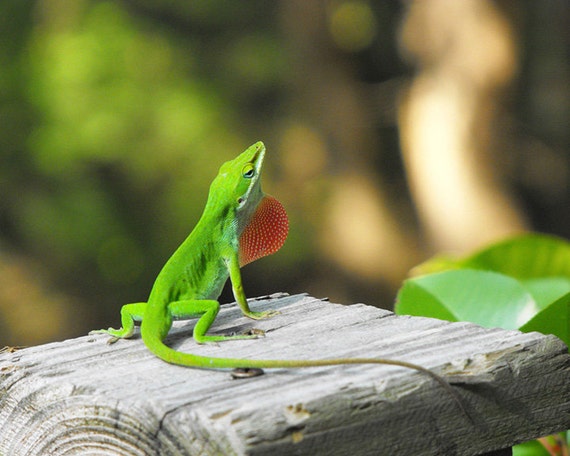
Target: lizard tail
{"type": "Point", "coordinates": [156, 345]}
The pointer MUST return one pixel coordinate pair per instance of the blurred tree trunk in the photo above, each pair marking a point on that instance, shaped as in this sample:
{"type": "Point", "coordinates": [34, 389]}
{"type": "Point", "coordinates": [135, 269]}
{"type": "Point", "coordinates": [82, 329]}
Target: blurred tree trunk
{"type": "Point", "coordinates": [466, 56]}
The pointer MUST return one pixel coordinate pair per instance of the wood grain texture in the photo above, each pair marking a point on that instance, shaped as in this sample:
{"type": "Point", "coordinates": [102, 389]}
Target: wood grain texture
{"type": "Point", "coordinates": [83, 396]}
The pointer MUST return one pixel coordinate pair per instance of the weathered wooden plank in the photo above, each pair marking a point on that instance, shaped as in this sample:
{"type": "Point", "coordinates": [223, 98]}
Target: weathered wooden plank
{"type": "Point", "coordinates": [83, 396]}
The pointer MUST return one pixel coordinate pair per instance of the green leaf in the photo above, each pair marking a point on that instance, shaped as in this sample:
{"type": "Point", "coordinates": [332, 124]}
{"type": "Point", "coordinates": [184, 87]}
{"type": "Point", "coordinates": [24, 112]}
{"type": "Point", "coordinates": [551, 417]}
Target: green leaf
{"type": "Point", "coordinates": [547, 290]}
{"type": "Point", "coordinates": [524, 257]}
{"type": "Point", "coordinates": [554, 319]}
{"type": "Point", "coordinates": [532, 448]}
{"type": "Point", "coordinates": [417, 298]}
{"type": "Point", "coordinates": [521, 257]}
{"type": "Point", "coordinates": [486, 298]}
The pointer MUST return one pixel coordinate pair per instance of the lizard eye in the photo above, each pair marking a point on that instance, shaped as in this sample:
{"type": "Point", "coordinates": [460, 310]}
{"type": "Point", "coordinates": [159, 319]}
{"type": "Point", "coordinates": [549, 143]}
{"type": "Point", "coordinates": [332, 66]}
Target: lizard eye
{"type": "Point", "coordinates": [248, 171]}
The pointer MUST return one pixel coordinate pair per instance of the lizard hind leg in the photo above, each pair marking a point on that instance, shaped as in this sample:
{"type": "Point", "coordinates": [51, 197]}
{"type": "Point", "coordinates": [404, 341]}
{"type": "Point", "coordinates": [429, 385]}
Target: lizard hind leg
{"type": "Point", "coordinates": [206, 311]}
{"type": "Point", "coordinates": [130, 313]}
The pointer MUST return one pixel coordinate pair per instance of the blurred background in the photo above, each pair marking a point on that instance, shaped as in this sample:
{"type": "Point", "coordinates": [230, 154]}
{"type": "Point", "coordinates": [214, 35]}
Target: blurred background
{"type": "Point", "coordinates": [394, 130]}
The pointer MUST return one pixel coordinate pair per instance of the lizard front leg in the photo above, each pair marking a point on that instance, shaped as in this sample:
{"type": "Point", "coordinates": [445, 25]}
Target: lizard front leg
{"type": "Point", "coordinates": [239, 294]}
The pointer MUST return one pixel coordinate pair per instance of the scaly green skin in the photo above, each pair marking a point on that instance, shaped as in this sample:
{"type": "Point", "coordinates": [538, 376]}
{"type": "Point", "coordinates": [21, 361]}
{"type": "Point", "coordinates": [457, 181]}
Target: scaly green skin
{"type": "Point", "coordinates": [192, 279]}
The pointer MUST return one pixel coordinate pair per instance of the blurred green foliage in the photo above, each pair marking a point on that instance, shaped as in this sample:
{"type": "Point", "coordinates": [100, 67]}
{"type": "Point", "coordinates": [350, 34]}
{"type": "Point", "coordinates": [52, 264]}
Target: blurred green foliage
{"type": "Point", "coordinates": [114, 124]}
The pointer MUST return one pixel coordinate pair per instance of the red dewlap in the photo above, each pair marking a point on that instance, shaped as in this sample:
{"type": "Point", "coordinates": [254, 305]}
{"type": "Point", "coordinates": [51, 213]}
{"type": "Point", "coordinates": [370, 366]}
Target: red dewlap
{"type": "Point", "coordinates": [265, 233]}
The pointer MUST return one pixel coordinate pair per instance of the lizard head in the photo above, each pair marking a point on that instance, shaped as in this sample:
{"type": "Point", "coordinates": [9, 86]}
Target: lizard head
{"type": "Point", "coordinates": [260, 220]}
{"type": "Point", "coordinates": [239, 181]}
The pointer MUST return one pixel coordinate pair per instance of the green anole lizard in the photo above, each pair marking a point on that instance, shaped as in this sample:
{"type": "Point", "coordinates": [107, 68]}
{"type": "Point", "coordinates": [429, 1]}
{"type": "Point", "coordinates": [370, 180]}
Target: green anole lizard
{"type": "Point", "coordinates": [240, 224]}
